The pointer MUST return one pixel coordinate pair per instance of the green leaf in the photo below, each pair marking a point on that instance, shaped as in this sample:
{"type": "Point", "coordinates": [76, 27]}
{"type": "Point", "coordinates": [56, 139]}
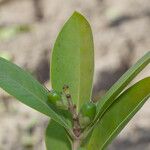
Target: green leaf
{"type": "Point", "coordinates": [119, 114]}
{"type": "Point", "coordinates": [126, 78]}
{"type": "Point", "coordinates": [56, 137]}
{"type": "Point", "coordinates": [26, 89]}
{"type": "Point", "coordinates": [72, 60]}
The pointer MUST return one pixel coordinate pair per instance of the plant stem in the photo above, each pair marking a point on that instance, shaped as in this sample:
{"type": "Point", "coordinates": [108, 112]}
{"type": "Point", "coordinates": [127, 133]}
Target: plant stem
{"type": "Point", "coordinates": [76, 144]}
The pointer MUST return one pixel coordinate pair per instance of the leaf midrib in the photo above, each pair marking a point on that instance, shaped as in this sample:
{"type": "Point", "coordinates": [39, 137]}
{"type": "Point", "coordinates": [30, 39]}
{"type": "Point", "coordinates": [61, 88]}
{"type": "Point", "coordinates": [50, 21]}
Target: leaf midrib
{"type": "Point", "coordinates": [144, 99]}
{"type": "Point", "coordinates": [110, 95]}
{"type": "Point", "coordinates": [28, 91]}
{"type": "Point", "coordinates": [79, 91]}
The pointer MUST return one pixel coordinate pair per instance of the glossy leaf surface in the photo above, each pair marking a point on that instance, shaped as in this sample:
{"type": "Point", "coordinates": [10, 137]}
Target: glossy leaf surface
{"type": "Point", "coordinates": [26, 89]}
{"type": "Point", "coordinates": [126, 78]}
{"type": "Point", "coordinates": [56, 137]}
{"type": "Point", "coordinates": [119, 114]}
{"type": "Point", "coordinates": [73, 59]}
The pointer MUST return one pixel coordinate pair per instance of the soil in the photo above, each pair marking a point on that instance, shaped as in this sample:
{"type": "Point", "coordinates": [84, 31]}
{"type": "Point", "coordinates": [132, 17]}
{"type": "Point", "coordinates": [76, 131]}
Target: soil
{"type": "Point", "coordinates": [121, 36]}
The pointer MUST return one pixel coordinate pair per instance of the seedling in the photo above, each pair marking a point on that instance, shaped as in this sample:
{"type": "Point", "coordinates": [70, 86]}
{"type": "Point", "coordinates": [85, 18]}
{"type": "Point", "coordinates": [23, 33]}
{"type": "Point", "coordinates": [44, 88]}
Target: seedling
{"type": "Point", "coordinates": [79, 124]}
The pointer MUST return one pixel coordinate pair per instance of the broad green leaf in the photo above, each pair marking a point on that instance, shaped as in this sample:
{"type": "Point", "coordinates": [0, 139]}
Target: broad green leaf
{"type": "Point", "coordinates": [56, 137]}
{"type": "Point", "coordinates": [119, 114]}
{"type": "Point", "coordinates": [115, 90]}
{"type": "Point", "coordinates": [26, 89]}
{"type": "Point", "coordinates": [72, 60]}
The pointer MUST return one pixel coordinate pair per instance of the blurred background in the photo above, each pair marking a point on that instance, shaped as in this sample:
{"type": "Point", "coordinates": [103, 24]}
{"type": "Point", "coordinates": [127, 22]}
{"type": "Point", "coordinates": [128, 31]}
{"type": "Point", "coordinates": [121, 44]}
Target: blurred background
{"type": "Point", "coordinates": [28, 29]}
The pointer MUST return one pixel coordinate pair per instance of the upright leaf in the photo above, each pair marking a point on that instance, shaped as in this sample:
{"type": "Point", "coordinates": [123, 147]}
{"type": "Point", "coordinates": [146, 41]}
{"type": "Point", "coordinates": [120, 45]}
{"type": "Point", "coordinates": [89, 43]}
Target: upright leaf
{"type": "Point", "coordinates": [26, 89]}
{"type": "Point", "coordinates": [73, 59]}
{"type": "Point", "coordinates": [115, 90]}
{"type": "Point", "coordinates": [119, 114]}
{"type": "Point", "coordinates": [56, 137]}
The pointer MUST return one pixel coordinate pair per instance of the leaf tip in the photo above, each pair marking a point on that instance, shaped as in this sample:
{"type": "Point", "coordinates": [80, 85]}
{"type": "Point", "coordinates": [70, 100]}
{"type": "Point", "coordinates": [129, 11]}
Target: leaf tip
{"type": "Point", "coordinates": [76, 13]}
{"type": "Point", "coordinates": [79, 16]}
